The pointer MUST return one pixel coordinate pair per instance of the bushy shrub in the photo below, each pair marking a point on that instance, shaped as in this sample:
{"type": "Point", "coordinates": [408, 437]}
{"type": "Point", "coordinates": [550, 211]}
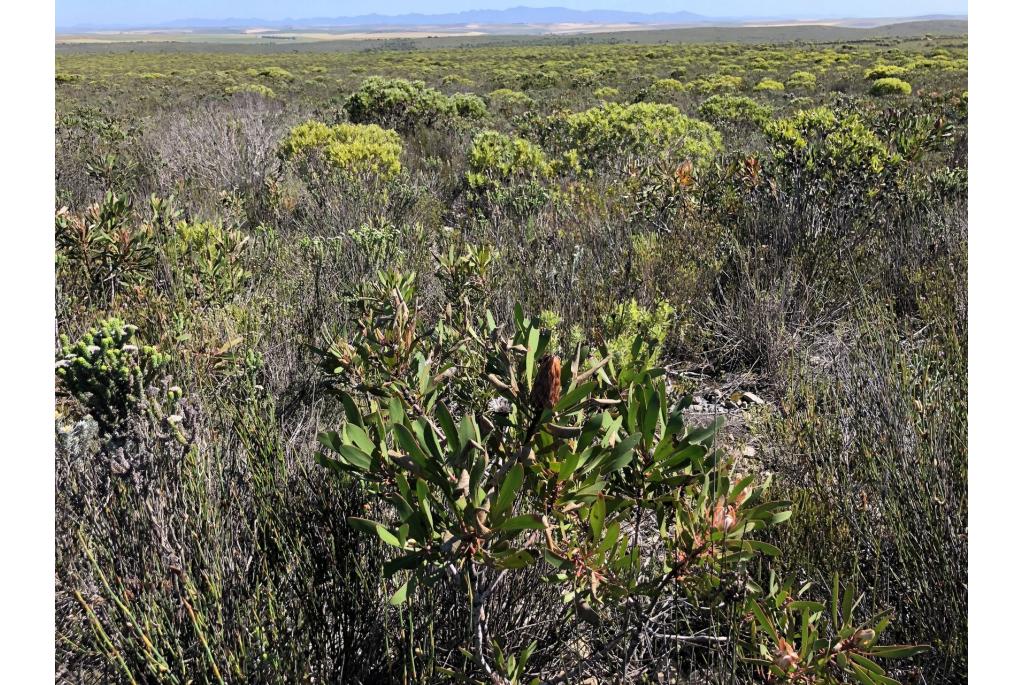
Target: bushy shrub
{"type": "Point", "coordinates": [397, 103]}
{"type": "Point", "coordinates": [274, 73]}
{"type": "Point", "coordinates": [890, 86]}
{"type": "Point", "coordinates": [469, 106]}
{"type": "Point", "coordinates": [350, 148]}
{"type": "Point", "coordinates": [802, 80]}
{"type": "Point", "coordinates": [208, 261]}
{"type": "Point", "coordinates": [510, 102]}
{"type": "Point", "coordinates": [721, 109]}
{"type": "Point", "coordinates": [767, 84]}
{"type": "Point", "coordinates": [507, 172]}
{"type": "Point", "coordinates": [257, 88]}
{"type": "Point", "coordinates": [884, 71]}
{"type": "Point", "coordinates": [629, 321]}
{"type": "Point", "coordinates": [606, 93]}
{"type": "Point", "coordinates": [65, 77]}
{"type": "Point", "coordinates": [716, 84]}
{"type": "Point", "coordinates": [664, 89]}
{"type": "Point", "coordinates": [840, 148]}
{"type": "Point", "coordinates": [607, 135]}
{"type": "Point", "coordinates": [107, 371]}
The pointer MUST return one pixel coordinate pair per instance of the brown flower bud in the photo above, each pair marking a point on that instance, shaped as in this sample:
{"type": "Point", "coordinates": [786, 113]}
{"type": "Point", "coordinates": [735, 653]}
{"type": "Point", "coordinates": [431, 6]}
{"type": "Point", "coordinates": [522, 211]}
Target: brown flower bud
{"type": "Point", "coordinates": [547, 388]}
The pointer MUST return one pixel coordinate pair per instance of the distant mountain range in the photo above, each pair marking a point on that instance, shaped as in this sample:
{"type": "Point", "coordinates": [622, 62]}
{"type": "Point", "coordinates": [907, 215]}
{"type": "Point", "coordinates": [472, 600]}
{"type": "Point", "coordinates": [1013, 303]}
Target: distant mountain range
{"type": "Point", "coordinates": [513, 15]}
{"type": "Point", "coordinates": [543, 16]}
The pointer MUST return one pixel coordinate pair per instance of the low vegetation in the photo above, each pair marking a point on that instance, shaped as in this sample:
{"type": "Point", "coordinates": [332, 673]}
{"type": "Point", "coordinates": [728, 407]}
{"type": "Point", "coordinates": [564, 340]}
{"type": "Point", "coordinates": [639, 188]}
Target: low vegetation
{"type": "Point", "coordinates": [539, 362]}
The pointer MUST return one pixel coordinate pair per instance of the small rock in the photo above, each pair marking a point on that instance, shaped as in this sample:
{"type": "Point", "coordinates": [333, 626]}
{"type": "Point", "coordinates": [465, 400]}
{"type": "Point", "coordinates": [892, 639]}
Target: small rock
{"type": "Point", "coordinates": [752, 398]}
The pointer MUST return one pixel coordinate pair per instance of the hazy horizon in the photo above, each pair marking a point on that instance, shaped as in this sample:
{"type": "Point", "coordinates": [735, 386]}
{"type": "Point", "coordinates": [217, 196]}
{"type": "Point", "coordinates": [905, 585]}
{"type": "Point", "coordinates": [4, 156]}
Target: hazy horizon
{"type": "Point", "coordinates": [70, 13]}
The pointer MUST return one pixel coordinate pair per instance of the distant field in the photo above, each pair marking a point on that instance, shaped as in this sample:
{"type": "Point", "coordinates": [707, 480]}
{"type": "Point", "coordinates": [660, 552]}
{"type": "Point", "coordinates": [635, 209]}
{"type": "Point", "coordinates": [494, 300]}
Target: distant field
{"type": "Point", "coordinates": [472, 35]}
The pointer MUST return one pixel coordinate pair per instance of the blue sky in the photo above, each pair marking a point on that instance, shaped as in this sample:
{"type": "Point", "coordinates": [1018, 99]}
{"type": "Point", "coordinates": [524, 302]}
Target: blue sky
{"type": "Point", "coordinates": [71, 12]}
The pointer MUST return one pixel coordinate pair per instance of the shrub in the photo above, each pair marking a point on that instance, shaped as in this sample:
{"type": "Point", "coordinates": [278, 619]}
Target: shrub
{"type": "Point", "coordinates": [108, 372]}
{"type": "Point", "coordinates": [397, 103]}
{"type": "Point", "coordinates": [350, 148]}
{"type": "Point", "coordinates": [510, 102]}
{"type": "Point", "coordinates": [607, 135]}
{"type": "Point", "coordinates": [274, 73]}
{"type": "Point", "coordinates": [890, 86]}
{"type": "Point", "coordinates": [720, 109]}
{"type": "Point", "coordinates": [664, 88]}
{"type": "Point", "coordinates": [716, 83]}
{"type": "Point", "coordinates": [507, 172]}
{"type": "Point", "coordinates": [257, 88]}
{"type": "Point", "coordinates": [802, 80]}
{"type": "Point", "coordinates": [630, 321]}
{"type": "Point", "coordinates": [606, 93]}
{"type": "Point", "coordinates": [65, 77]}
{"type": "Point", "coordinates": [769, 85]}
{"type": "Point", "coordinates": [880, 71]}
{"type": "Point", "coordinates": [469, 106]}
{"type": "Point", "coordinates": [208, 261]}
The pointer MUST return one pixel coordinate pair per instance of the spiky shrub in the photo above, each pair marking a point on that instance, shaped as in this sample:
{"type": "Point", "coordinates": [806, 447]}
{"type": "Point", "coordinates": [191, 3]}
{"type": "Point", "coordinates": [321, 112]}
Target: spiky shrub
{"type": "Point", "coordinates": [734, 109]}
{"type": "Point", "coordinates": [890, 86]}
{"type": "Point", "coordinates": [397, 103]}
{"type": "Point", "coordinates": [108, 372]}
{"type": "Point", "coordinates": [351, 149]}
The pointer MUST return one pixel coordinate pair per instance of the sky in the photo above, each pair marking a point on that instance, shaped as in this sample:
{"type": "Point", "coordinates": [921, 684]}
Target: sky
{"type": "Point", "coordinates": [72, 12]}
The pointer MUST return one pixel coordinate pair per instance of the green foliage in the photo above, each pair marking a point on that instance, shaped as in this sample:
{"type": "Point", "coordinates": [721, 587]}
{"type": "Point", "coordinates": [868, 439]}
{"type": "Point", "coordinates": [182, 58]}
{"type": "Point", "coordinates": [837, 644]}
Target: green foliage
{"type": "Point", "coordinates": [717, 83]}
{"type": "Point", "coordinates": [840, 147]}
{"type": "Point", "coordinates": [258, 88]}
{"type": "Point", "coordinates": [545, 465]}
{"type": "Point", "coordinates": [630, 322]}
{"type": "Point", "coordinates": [735, 109]}
{"type": "Point", "coordinates": [108, 372]}
{"type": "Point", "coordinates": [767, 84]}
{"type": "Point", "coordinates": [273, 73]}
{"type": "Point", "coordinates": [507, 172]}
{"type": "Point", "coordinates": [802, 80]}
{"type": "Point", "coordinates": [606, 93]}
{"type": "Point", "coordinates": [609, 134]}
{"type": "Point", "coordinates": [510, 102]}
{"type": "Point", "coordinates": [469, 106]}
{"type": "Point", "coordinates": [350, 148]}
{"type": "Point", "coordinates": [664, 89]}
{"type": "Point", "coordinates": [208, 260]}
{"type": "Point", "coordinates": [890, 86]}
{"type": "Point", "coordinates": [397, 103]}
{"type": "Point", "coordinates": [797, 640]}
{"type": "Point", "coordinates": [880, 71]}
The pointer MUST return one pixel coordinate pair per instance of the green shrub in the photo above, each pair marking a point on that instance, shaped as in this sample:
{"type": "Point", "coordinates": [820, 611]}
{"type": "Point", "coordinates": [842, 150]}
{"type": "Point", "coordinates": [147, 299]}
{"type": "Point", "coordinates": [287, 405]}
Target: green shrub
{"type": "Point", "coordinates": [884, 71]}
{"type": "Point", "coordinates": [257, 88]}
{"type": "Point", "coordinates": [507, 172]}
{"type": "Point", "coordinates": [108, 372]}
{"type": "Point", "coordinates": [606, 93]}
{"type": "Point", "coordinates": [664, 89]}
{"type": "Point", "coordinates": [838, 147]}
{"type": "Point", "coordinates": [65, 77]}
{"type": "Point", "coordinates": [275, 73]}
{"type": "Point", "coordinates": [890, 86]}
{"type": "Point", "coordinates": [629, 321]}
{"type": "Point", "coordinates": [469, 106]}
{"type": "Point", "coordinates": [769, 85]}
{"type": "Point", "coordinates": [208, 261]}
{"type": "Point", "coordinates": [721, 109]}
{"type": "Point", "coordinates": [802, 80]}
{"type": "Point", "coordinates": [510, 102]}
{"type": "Point", "coordinates": [397, 103]}
{"type": "Point", "coordinates": [715, 84]}
{"type": "Point", "coordinates": [350, 148]}
{"type": "Point", "coordinates": [608, 134]}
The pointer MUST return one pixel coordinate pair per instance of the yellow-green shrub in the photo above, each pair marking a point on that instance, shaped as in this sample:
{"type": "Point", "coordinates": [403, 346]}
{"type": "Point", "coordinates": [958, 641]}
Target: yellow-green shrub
{"type": "Point", "coordinates": [890, 86]}
{"type": "Point", "coordinates": [351, 148]}
{"type": "Point", "coordinates": [770, 85]}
